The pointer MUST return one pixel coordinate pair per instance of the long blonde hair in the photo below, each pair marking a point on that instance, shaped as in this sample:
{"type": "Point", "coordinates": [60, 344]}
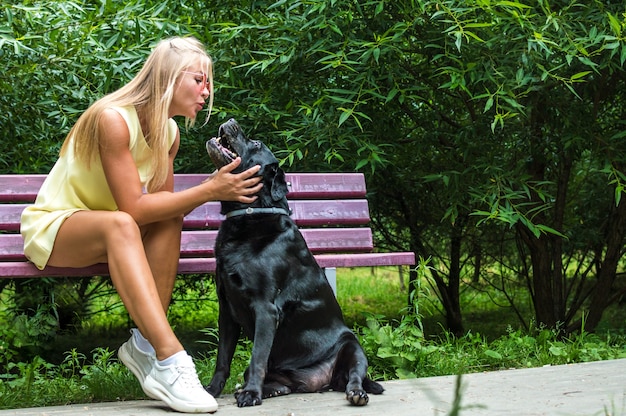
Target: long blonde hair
{"type": "Point", "coordinates": [151, 92]}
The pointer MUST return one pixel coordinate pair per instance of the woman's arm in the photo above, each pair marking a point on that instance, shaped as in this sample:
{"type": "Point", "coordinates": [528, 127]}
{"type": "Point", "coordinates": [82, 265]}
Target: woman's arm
{"type": "Point", "coordinates": [123, 179]}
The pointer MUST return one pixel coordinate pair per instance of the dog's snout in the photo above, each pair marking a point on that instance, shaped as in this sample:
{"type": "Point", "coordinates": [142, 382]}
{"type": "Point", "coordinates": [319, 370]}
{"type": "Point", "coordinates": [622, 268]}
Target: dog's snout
{"type": "Point", "coordinates": [230, 127]}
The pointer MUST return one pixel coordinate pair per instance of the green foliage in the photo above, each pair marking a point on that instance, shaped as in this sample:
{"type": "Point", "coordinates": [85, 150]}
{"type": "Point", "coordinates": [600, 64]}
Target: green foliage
{"type": "Point", "coordinates": [491, 132]}
{"type": "Point", "coordinates": [106, 377]}
{"type": "Point", "coordinates": [60, 57]}
{"type": "Point", "coordinates": [400, 350]}
{"type": "Point", "coordinates": [39, 383]}
{"type": "Point", "coordinates": [396, 345]}
{"type": "Point", "coordinates": [194, 303]}
{"type": "Point", "coordinates": [238, 367]}
{"type": "Point", "coordinates": [365, 291]}
{"type": "Point", "coordinates": [23, 334]}
{"type": "Point", "coordinates": [395, 350]}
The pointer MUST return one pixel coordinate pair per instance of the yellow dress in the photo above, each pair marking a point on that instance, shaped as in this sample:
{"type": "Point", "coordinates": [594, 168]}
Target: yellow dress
{"type": "Point", "coordinates": [71, 186]}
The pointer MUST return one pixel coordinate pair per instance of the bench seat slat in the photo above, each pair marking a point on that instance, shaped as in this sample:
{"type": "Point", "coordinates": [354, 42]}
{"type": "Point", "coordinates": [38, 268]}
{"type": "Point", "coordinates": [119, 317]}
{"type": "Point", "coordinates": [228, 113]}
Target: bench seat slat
{"type": "Point", "coordinates": [207, 265]}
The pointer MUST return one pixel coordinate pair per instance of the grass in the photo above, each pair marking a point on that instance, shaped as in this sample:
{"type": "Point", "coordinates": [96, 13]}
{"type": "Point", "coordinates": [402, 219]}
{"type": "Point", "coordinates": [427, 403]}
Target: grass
{"type": "Point", "coordinates": [81, 366]}
{"type": "Point", "coordinates": [370, 291]}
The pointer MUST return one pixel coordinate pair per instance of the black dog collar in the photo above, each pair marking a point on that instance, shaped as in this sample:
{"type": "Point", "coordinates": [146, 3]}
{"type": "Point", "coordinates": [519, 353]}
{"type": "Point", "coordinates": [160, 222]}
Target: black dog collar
{"type": "Point", "coordinates": [250, 211]}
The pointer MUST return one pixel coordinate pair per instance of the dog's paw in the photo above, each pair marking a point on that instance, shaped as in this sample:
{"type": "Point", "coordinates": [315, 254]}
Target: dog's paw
{"type": "Point", "coordinates": [214, 390]}
{"type": "Point", "coordinates": [357, 397]}
{"type": "Point", "coordinates": [275, 390]}
{"type": "Point", "coordinates": [247, 398]}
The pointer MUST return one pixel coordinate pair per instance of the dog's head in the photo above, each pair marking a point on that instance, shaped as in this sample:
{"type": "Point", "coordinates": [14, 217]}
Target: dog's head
{"type": "Point", "coordinates": [232, 142]}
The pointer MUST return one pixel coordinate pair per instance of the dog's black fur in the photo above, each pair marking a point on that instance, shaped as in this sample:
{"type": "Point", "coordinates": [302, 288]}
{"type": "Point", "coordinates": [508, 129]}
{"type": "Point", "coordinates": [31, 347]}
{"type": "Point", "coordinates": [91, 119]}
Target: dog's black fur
{"type": "Point", "coordinates": [270, 286]}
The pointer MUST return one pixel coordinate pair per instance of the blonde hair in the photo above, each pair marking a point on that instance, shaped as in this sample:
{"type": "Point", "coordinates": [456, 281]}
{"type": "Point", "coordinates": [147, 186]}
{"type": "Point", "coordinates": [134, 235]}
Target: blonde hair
{"type": "Point", "coordinates": [151, 92]}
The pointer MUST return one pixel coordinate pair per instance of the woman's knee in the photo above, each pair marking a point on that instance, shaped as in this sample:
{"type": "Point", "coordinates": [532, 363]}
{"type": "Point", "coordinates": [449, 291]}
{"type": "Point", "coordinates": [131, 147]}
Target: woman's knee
{"type": "Point", "coordinates": [121, 224]}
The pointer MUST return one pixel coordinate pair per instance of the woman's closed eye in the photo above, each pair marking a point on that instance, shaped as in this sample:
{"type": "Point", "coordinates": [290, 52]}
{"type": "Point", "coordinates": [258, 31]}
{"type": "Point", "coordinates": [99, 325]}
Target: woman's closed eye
{"type": "Point", "coordinates": [201, 79]}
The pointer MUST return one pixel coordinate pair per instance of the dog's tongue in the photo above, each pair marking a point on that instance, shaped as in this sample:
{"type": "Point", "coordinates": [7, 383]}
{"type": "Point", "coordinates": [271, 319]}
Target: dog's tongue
{"type": "Point", "coordinates": [225, 150]}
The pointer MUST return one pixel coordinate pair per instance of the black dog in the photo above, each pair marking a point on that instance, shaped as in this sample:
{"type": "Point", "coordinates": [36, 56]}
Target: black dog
{"type": "Point", "coordinates": [269, 285]}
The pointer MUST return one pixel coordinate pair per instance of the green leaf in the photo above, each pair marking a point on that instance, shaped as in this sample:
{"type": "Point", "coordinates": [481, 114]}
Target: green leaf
{"type": "Point", "coordinates": [392, 93]}
{"type": "Point", "coordinates": [459, 39]}
{"type": "Point", "coordinates": [556, 351]}
{"type": "Point", "coordinates": [344, 115]}
{"type": "Point", "coordinates": [580, 75]}
{"type": "Point", "coordinates": [513, 4]}
{"type": "Point", "coordinates": [493, 354]}
{"type": "Point", "coordinates": [615, 24]}
{"type": "Point", "coordinates": [379, 8]}
{"type": "Point", "coordinates": [376, 54]}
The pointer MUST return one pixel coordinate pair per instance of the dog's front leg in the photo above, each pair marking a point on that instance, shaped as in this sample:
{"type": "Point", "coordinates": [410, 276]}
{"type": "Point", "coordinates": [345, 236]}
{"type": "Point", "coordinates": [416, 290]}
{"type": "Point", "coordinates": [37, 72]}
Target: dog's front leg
{"type": "Point", "coordinates": [228, 334]}
{"type": "Point", "coordinates": [266, 321]}
{"type": "Point", "coordinates": [357, 372]}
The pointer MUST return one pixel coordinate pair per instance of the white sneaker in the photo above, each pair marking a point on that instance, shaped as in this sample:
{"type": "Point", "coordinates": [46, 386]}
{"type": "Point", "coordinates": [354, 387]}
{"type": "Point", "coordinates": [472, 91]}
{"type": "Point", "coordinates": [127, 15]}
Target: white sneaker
{"type": "Point", "coordinates": [137, 361]}
{"type": "Point", "coordinates": [179, 387]}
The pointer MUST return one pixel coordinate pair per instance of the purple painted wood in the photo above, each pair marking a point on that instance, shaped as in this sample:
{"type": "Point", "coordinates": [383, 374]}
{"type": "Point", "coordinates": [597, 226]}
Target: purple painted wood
{"type": "Point", "coordinates": [366, 259]}
{"type": "Point", "coordinates": [11, 248]}
{"type": "Point", "coordinates": [330, 209]}
{"type": "Point", "coordinates": [23, 269]}
{"type": "Point", "coordinates": [308, 213]}
{"type": "Point", "coordinates": [301, 185]}
{"type": "Point", "coordinates": [24, 188]}
{"type": "Point", "coordinates": [201, 243]}
{"type": "Point", "coordinates": [19, 188]}
{"type": "Point", "coordinates": [319, 240]}
{"type": "Point", "coordinates": [10, 216]}
{"type": "Point", "coordinates": [202, 265]}
{"type": "Point", "coordinates": [326, 185]}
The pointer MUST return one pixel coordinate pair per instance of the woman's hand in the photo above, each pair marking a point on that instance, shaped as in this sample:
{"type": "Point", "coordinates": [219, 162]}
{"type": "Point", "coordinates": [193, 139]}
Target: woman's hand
{"type": "Point", "coordinates": [228, 186]}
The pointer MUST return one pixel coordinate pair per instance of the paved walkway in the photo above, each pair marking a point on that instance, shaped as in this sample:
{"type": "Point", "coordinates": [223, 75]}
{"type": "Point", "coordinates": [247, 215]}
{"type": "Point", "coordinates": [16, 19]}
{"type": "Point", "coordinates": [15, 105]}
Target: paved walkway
{"type": "Point", "coordinates": [589, 389]}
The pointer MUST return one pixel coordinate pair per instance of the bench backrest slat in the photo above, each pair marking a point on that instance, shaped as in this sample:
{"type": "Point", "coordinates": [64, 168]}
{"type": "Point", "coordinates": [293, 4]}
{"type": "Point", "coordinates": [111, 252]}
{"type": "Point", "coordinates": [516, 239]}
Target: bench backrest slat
{"type": "Point", "coordinates": [201, 243]}
{"type": "Point", "coordinates": [304, 212]}
{"type": "Point", "coordinates": [319, 240]}
{"type": "Point", "coordinates": [301, 185]}
{"type": "Point", "coordinates": [24, 188]}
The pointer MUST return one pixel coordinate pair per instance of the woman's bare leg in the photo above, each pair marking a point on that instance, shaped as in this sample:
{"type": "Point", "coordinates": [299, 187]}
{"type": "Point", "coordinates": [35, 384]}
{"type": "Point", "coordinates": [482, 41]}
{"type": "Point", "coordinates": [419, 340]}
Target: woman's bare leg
{"type": "Point", "coordinates": [162, 246]}
{"type": "Point", "coordinates": [89, 237]}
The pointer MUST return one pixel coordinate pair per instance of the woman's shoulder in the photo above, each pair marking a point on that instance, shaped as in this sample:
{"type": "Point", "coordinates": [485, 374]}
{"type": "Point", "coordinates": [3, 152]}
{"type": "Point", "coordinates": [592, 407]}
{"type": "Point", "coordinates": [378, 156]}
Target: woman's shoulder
{"type": "Point", "coordinates": [125, 117]}
{"type": "Point", "coordinates": [114, 126]}
{"type": "Point", "coordinates": [112, 118]}
{"type": "Point", "coordinates": [127, 112]}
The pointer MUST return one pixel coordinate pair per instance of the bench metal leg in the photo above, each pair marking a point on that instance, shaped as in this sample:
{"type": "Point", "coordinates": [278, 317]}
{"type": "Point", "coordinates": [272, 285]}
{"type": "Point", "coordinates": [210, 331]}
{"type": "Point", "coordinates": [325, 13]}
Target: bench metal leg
{"type": "Point", "coordinates": [331, 276]}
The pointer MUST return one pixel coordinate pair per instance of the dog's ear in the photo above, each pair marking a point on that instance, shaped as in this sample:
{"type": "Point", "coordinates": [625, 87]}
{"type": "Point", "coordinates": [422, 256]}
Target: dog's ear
{"type": "Point", "coordinates": [279, 184]}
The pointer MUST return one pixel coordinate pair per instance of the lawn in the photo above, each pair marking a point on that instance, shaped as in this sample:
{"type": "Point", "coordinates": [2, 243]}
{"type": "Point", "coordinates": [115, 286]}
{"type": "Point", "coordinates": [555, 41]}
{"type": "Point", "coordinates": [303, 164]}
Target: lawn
{"type": "Point", "coordinates": [362, 292]}
{"type": "Point", "coordinates": [80, 366]}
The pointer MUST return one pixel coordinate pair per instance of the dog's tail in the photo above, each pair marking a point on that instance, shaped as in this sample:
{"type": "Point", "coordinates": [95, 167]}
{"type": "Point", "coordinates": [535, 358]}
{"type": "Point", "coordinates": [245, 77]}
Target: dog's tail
{"type": "Point", "coordinates": [371, 386]}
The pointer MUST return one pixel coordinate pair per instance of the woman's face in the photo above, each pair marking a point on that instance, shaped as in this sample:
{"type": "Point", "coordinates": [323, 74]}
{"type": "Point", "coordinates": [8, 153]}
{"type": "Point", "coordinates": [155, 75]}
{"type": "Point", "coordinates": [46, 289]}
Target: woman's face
{"type": "Point", "coordinates": [192, 90]}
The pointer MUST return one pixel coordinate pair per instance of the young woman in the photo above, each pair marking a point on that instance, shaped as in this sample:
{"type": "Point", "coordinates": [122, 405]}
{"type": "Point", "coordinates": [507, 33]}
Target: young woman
{"type": "Point", "coordinates": [110, 198]}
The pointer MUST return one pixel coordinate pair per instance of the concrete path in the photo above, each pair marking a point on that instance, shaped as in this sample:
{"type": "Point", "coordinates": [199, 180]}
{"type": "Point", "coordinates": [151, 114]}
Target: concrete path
{"type": "Point", "coordinates": [589, 389]}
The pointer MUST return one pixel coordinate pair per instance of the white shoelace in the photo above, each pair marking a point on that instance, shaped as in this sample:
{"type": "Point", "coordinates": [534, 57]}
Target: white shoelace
{"type": "Point", "coordinates": [187, 374]}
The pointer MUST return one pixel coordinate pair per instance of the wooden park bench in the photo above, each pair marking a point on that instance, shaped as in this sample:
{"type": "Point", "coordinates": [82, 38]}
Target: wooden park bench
{"type": "Point", "coordinates": [329, 208]}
